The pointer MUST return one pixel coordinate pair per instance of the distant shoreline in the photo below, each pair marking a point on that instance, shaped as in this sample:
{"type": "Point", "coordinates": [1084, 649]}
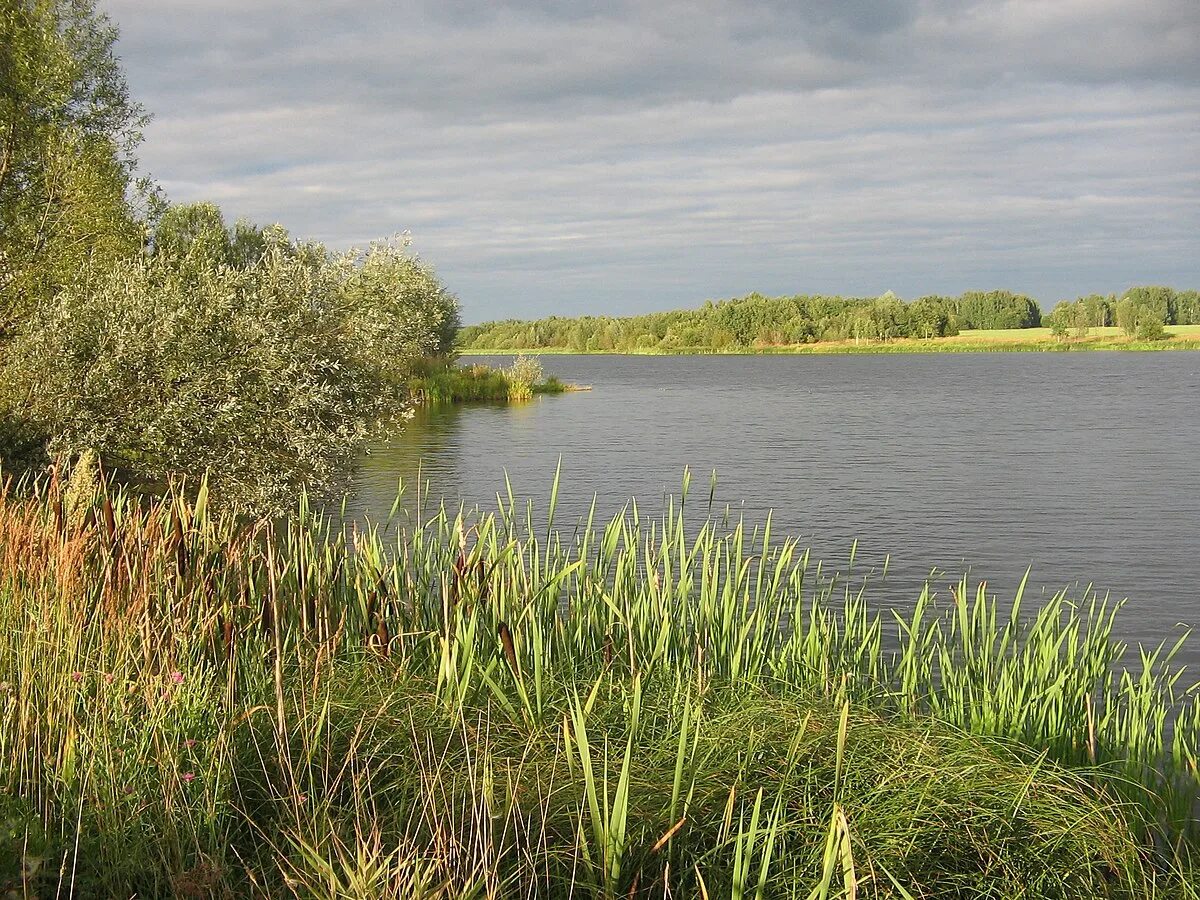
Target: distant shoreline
{"type": "Point", "coordinates": [1026, 340]}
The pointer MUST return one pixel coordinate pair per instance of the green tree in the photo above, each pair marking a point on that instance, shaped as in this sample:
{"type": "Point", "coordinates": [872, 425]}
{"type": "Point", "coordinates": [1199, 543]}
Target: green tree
{"type": "Point", "coordinates": [263, 378]}
{"type": "Point", "coordinates": [68, 131]}
{"type": "Point", "coordinates": [1187, 308]}
{"type": "Point", "coordinates": [1156, 301]}
{"type": "Point", "coordinates": [997, 309]}
{"type": "Point", "coordinates": [395, 309]}
{"type": "Point", "coordinates": [1150, 329]}
{"type": "Point", "coordinates": [1059, 319]}
{"type": "Point", "coordinates": [929, 317]}
{"type": "Point", "coordinates": [1127, 316]}
{"type": "Point", "coordinates": [192, 237]}
{"type": "Point", "coordinates": [1097, 310]}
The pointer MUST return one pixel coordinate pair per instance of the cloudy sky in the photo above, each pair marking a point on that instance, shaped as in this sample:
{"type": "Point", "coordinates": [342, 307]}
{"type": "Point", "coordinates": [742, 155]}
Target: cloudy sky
{"type": "Point", "coordinates": [570, 156]}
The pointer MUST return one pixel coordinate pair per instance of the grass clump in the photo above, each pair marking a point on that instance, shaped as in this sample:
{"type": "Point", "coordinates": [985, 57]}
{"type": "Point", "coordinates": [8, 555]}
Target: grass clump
{"type": "Point", "coordinates": [443, 381]}
{"type": "Point", "coordinates": [192, 705]}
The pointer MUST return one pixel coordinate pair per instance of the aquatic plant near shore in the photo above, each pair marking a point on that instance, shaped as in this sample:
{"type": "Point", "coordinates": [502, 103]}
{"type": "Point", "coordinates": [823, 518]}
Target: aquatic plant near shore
{"type": "Point", "coordinates": [480, 706]}
{"type": "Point", "coordinates": [442, 381]}
{"type": "Point", "coordinates": [524, 373]}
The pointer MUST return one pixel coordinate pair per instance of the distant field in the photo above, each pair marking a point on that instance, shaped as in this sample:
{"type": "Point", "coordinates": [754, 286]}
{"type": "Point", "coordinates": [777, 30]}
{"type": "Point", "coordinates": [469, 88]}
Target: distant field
{"type": "Point", "coordinates": [1181, 337]}
{"type": "Point", "coordinates": [1038, 334]}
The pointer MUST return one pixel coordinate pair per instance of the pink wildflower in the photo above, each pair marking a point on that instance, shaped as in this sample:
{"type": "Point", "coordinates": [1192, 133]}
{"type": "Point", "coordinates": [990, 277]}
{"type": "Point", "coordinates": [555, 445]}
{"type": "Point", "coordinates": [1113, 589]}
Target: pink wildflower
{"type": "Point", "coordinates": [109, 678]}
{"type": "Point", "coordinates": [189, 777]}
{"type": "Point", "coordinates": [77, 677]}
{"type": "Point", "coordinates": [189, 743]}
{"type": "Point", "coordinates": [177, 678]}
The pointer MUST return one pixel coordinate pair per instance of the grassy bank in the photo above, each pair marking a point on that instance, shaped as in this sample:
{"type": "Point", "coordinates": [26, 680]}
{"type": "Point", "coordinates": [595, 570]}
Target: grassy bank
{"type": "Point", "coordinates": [193, 706]}
{"type": "Point", "coordinates": [1178, 337]}
{"type": "Point", "coordinates": [444, 381]}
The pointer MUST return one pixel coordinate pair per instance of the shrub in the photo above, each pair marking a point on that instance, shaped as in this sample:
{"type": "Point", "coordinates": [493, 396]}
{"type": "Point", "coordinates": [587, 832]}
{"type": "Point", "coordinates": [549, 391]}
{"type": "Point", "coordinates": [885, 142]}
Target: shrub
{"type": "Point", "coordinates": [1150, 329]}
{"type": "Point", "coordinates": [523, 376]}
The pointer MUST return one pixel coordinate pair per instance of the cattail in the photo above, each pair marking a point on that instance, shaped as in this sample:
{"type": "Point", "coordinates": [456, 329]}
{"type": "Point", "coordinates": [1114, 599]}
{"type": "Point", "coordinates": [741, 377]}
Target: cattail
{"type": "Point", "coordinates": [510, 651]}
{"type": "Point", "coordinates": [381, 635]}
{"type": "Point", "coordinates": [60, 518]}
{"type": "Point", "coordinates": [177, 542]}
{"type": "Point", "coordinates": [227, 636]}
{"type": "Point", "coordinates": [608, 650]}
{"type": "Point", "coordinates": [110, 520]}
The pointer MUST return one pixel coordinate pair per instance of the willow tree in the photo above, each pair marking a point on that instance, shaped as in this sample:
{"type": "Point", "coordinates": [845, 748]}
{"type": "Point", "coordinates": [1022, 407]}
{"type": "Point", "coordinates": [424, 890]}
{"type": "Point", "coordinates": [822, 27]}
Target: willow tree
{"type": "Point", "coordinates": [68, 132]}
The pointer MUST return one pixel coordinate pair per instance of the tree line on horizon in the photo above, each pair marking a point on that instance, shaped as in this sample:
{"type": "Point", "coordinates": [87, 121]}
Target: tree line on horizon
{"type": "Point", "coordinates": [759, 321]}
{"type": "Point", "coordinates": [1141, 312]}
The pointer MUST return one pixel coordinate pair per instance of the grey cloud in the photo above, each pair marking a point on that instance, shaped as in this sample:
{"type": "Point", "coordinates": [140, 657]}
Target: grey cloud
{"type": "Point", "coordinates": [584, 156]}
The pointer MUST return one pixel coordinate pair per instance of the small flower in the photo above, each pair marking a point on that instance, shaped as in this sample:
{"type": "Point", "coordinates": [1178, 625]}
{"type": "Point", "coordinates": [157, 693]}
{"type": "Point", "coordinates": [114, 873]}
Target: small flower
{"type": "Point", "coordinates": [109, 678]}
{"type": "Point", "coordinates": [177, 678]}
{"type": "Point", "coordinates": [189, 743]}
{"type": "Point", "coordinates": [189, 777]}
{"type": "Point", "coordinates": [77, 677]}
{"type": "Point", "coordinates": [303, 798]}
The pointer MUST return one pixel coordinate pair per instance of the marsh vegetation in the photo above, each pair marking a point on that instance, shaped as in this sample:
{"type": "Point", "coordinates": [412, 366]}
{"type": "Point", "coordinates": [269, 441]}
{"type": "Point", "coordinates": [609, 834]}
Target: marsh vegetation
{"type": "Point", "coordinates": [481, 707]}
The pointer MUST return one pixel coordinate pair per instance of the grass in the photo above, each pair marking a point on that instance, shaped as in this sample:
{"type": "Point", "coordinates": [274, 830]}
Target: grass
{"type": "Point", "coordinates": [491, 707]}
{"type": "Point", "coordinates": [443, 381]}
{"type": "Point", "coordinates": [1179, 337]}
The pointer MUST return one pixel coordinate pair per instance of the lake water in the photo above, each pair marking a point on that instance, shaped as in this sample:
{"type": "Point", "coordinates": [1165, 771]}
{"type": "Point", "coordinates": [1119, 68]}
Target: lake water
{"type": "Point", "coordinates": [1085, 466]}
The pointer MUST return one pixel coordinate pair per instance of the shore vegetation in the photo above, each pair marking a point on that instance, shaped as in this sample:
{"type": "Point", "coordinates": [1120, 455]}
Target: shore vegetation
{"type": "Point", "coordinates": [479, 706]}
{"type": "Point", "coordinates": [442, 380]}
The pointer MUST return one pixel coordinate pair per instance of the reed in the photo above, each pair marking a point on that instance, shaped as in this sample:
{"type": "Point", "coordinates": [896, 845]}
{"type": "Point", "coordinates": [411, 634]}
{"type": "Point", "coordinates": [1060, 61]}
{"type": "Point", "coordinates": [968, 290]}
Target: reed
{"type": "Point", "coordinates": [480, 706]}
{"type": "Point", "coordinates": [443, 381]}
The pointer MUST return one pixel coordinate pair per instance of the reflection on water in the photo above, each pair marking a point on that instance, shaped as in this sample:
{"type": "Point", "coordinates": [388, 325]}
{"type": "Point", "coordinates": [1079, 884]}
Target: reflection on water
{"type": "Point", "coordinates": [1082, 466]}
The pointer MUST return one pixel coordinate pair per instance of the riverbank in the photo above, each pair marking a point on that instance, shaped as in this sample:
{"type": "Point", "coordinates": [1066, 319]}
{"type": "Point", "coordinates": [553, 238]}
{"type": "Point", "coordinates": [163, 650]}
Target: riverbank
{"type": "Point", "coordinates": [1010, 340]}
{"type": "Point", "coordinates": [194, 706]}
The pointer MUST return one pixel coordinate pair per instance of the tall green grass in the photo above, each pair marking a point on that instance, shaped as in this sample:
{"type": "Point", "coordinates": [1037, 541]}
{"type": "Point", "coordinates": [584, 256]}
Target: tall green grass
{"type": "Point", "coordinates": [443, 381]}
{"type": "Point", "coordinates": [486, 706]}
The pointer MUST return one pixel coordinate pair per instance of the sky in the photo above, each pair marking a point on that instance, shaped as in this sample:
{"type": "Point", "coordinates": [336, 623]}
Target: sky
{"type": "Point", "coordinates": [570, 157]}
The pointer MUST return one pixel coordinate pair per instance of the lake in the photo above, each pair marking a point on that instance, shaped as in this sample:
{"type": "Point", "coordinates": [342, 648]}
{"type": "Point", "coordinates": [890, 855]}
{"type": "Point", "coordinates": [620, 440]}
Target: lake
{"type": "Point", "coordinates": [1084, 466]}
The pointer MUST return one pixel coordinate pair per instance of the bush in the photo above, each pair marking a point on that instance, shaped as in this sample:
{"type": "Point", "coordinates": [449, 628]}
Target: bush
{"type": "Point", "coordinates": [265, 378]}
{"type": "Point", "coordinates": [1150, 329]}
{"type": "Point", "coordinates": [523, 376]}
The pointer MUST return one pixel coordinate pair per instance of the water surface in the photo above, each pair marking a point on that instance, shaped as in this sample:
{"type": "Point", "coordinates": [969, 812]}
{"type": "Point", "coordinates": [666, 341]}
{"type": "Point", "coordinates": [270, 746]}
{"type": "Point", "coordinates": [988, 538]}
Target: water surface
{"type": "Point", "coordinates": [1084, 466]}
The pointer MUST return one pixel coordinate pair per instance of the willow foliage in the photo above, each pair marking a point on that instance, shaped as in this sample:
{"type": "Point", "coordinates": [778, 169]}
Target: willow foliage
{"type": "Point", "coordinates": [263, 377]}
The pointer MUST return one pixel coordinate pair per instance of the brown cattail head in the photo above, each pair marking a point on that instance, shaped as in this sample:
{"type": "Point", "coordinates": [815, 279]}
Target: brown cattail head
{"type": "Point", "coordinates": [510, 650]}
{"type": "Point", "coordinates": [268, 618]}
{"type": "Point", "coordinates": [177, 542]}
{"type": "Point", "coordinates": [381, 635]}
{"type": "Point", "coordinates": [110, 519]}
{"type": "Point", "coordinates": [227, 636]}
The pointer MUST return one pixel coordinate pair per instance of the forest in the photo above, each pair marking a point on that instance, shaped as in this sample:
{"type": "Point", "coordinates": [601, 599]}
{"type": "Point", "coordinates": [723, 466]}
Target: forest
{"type": "Point", "coordinates": [756, 321]}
